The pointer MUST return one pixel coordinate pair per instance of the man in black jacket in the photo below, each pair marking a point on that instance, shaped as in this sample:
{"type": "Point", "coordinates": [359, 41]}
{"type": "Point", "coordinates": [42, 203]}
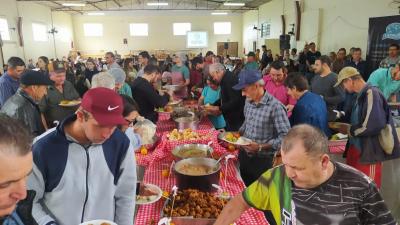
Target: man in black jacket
{"type": "Point", "coordinates": [23, 105]}
{"type": "Point", "coordinates": [232, 102]}
{"type": "Point", "coordinates": [146, 96]}
{"type": "Point", "coordinates": [15, 165]}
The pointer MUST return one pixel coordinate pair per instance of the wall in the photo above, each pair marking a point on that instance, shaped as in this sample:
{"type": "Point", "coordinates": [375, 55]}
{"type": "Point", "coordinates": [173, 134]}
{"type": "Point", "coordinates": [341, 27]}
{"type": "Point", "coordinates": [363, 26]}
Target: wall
{"type": "Point", "coordinates": [116, 27]}
{"type": "Point", "coordinates": [331, 24]}
{"type": "Point", "coordinates": [32, 12]}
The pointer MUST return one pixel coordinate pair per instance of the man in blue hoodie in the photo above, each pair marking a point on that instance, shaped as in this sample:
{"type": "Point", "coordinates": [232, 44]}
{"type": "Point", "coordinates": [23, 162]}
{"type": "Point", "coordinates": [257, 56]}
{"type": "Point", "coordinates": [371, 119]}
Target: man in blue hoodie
{"type": "Point", "coordinates": [84, 169]}
{"type": "Point", "coordinates": [15, 166]}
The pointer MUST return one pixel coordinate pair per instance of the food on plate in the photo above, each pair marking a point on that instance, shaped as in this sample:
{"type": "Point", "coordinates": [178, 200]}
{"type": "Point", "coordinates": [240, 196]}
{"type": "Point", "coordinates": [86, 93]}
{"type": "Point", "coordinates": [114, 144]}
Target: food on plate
{"type": "Point", "coordinates": [70, 102]}
{"type": "Point", "coordinates": [231, 147]}
{"type": "Point", "coordinates": [192, 202]}
{"type": "Point", "coordinates": [185, 135]}
{"type": "Point", "coordinates": [195, 170]}
{"type": "Point", "coordinates": [146, 130]}
{"type": "Point", "coordinates": [147, 193]}
{"type": "Point", "coordinates": [167, 109]}
{"type": "Point", "coordinates": [232, 136]}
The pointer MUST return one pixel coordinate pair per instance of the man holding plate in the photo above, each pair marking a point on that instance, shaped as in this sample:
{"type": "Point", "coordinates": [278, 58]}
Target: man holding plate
{"type": "Point", "coordinates": [266, 123]}
{"type": "Point", "coordinates": [62, 91]}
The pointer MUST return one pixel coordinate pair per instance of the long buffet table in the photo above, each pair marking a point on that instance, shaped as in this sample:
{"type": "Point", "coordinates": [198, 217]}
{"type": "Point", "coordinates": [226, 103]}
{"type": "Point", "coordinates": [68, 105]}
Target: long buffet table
{"type": "Point", "coordinates": [161, 158]}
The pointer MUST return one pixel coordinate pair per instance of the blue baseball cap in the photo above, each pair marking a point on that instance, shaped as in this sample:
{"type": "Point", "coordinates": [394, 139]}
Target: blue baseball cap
{"type": "Point", "coordinates": [246, 78]}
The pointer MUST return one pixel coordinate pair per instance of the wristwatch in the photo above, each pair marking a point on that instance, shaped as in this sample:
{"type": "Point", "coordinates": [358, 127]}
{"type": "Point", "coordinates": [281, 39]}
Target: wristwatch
{"type": "Point", "coordinates": [259, 148]}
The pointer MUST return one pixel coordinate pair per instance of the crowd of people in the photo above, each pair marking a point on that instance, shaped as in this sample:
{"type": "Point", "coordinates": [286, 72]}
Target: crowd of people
{"type": "Point", "coordinates": [283, 103]}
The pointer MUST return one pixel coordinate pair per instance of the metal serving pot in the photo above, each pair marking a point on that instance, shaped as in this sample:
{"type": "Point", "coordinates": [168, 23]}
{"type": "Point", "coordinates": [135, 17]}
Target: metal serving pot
{"type": "Point", "coordinates": [201, 182]}
{"type": "Point", "coordinates": [192, 151]}
{"type": "Point", "coordinates": [187, 122]}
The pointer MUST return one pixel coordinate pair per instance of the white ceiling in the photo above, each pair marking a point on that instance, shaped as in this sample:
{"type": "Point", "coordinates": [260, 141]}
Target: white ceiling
{"type": "Point", "coordinates": [127, 5]}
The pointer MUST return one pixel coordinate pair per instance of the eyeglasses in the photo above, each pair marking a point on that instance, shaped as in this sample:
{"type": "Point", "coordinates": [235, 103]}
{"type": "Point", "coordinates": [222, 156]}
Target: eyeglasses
{"type": "Point", "coordinates": [131, 123]}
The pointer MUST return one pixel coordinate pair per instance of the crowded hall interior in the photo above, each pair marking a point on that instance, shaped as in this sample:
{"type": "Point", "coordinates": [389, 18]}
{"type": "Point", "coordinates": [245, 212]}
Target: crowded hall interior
{"type": "Point", "coordinates": [199, 112]}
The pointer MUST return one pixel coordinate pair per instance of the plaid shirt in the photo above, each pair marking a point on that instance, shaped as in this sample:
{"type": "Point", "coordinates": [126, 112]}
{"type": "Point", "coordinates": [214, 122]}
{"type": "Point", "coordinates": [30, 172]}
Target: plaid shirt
{"type": "Point", "coordinates": [265, 122]}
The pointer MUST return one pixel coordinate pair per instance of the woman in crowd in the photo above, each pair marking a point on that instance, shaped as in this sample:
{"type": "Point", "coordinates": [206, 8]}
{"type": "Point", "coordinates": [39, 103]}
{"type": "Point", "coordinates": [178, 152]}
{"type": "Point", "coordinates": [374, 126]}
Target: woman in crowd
{"type": "Point", "coordinates": [211, 94]}
{"type": "Point", "coordinates": [130, 113]}
{"type": "Point", "coordinates": [130, 70]}
{"type": "Point", "coordinates": [121, 86]}
{"type": "Point", "coordinates": [91, 69]}
{"type": "Point", "coordinates": [180, 75]}
{"type": "Point", "coordinates": [43, 63]}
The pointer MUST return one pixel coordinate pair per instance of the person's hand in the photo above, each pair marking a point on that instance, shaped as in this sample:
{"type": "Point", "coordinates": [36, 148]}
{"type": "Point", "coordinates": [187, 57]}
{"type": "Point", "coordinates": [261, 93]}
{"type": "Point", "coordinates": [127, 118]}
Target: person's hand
{"type": "Point", "coordinates": [213, 110]}
{"type": "Point", "coordinates": [289, 108]}
{"type": "Point", "coordinates": [253, 147]}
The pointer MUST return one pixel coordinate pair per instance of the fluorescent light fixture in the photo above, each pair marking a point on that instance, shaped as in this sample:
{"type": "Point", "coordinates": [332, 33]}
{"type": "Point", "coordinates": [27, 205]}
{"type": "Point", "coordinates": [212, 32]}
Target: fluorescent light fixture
{"type": "Point", "coordinates": [95, 14]}
{"type": "Point", "coordinates": [157, 3]}
{"type": "Point", "coordinates": [219, 13]}
{"type": "Point", "coordinates": [74, 4]}
{"type": "Point", "coordinates": [234, 4]}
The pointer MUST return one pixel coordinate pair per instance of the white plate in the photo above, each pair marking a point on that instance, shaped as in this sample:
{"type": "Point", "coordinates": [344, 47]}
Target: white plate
{"type": "Point", "coordinates": [175, 102]}
{"type": "Point", "coordinates": [154, 188]}
{"type": "Point", "coordinates": [241, 141]}
{"type": "Point", "coordinates": [98, 222]}
{"type": "Point", "coordinates": [71, 103]}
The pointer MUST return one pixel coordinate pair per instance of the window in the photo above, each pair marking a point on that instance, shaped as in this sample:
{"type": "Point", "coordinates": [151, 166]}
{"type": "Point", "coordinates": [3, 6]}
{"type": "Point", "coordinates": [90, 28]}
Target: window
{"type": "Point", "coordinates": [222, 28]}
{"type": "Point", "coordinates": [4, 32]}
{"type": "Point", "coordinates": [39, 32]}
{"type": "Point", "coordinates": [181, 28]}
{"type": "Point", "coordinates": [93, 29]}
{"type": "Point", "coordinates": [139, 29]}
{"type": "Point", "coordinates": [64, 34]}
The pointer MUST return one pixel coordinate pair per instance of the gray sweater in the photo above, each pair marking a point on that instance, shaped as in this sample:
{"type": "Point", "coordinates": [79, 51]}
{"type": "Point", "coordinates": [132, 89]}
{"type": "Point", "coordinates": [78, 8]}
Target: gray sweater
{"type": "Point", "coordinates": [324, 86]}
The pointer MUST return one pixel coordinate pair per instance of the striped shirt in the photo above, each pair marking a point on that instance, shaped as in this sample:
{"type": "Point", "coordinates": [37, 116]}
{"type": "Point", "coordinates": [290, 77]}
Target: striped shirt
{"type": "Point", "coordinates": [348, 197]}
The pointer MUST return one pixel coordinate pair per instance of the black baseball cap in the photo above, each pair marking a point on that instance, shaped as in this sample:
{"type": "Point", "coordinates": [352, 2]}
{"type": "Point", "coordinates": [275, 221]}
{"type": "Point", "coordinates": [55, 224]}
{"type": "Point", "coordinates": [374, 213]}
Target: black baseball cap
{"type": "Point", "coordinates": [31, 77]}
{"type": "Point", "coordinates": [251, 54]}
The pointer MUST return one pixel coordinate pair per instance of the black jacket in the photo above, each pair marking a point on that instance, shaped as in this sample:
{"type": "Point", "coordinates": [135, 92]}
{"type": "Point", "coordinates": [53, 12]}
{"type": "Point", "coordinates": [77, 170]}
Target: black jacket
{"type": "Point", "coordinates": [23, 108]}
{"type": "Point", "coordinates": [24, 209]}
{"type": "Point", "coordinates": [147, 98]}
{"type": "Point", "coordinates": [232, 102]}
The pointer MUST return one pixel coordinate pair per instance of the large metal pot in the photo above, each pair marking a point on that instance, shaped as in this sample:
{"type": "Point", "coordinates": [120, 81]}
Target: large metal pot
{"type": "Point", "coordinates": [187, 122]}
{"type": "Point", "coordinates": [201, 182]}
{"type": "Point", "coordinates": [192, 151]}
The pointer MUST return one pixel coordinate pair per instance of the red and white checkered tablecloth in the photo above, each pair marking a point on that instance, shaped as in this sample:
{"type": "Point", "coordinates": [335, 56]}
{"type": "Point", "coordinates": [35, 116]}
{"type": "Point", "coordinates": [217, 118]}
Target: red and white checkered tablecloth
{"type": "Point", "coordinates": [337, 147]}
{"type": "Point", "coordinates": [234, 186]}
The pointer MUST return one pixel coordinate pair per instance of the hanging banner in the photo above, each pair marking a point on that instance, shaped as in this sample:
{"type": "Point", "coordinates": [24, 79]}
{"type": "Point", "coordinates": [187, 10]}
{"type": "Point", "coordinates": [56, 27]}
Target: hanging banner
{"type": "Point", "coordinates": [382, 32]}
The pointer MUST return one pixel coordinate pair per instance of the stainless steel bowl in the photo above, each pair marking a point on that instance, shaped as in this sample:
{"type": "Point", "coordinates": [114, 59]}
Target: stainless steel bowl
{"type": "Point", "coordinates": [187, 122]}
{"type": "Point", "coordinates": [173, 87]}
{"type": "Point", "coordinates": [199, 151]}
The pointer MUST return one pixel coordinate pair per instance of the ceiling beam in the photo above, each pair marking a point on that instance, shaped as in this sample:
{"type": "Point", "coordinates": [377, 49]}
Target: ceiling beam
{"type": "Point", "coordinates": [70, 9]}
{"type": "Point", "coordinates": [94, 5]}
{"type": "Point", "coordinates": [117, 3]}
{"type": "Point", "coordinates": [156, 9]}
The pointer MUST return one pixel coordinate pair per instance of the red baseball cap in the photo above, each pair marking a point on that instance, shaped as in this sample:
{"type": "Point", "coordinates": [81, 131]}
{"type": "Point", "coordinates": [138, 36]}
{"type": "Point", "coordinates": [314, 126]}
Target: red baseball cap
{"type": "Point", "coordinates": [105, 105]}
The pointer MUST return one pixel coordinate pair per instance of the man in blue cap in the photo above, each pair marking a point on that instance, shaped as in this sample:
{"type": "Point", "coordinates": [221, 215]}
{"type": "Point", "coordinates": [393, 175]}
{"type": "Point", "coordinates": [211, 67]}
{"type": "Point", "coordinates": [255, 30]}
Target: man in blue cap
{"type": "Point", "coordinates": [266, 123]}
{"type": "Point", "coordinates": [23, 105]}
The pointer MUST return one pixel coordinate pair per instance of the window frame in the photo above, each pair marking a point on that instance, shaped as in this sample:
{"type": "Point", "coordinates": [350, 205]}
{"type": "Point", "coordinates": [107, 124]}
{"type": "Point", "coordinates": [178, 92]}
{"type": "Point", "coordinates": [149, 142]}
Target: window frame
{"type": "Point", "coordinates": [141, 34]}
{"type": "Point", "coordinates": [36, 33]}
{"type": "Point", "coordinates": [222, 24]}
{"type": "Point", "coordinates": [92, 34]}
{"type": "Point", "coordinates": [7, 30]}
{"type": "Point", "coordinates": [180, 33]}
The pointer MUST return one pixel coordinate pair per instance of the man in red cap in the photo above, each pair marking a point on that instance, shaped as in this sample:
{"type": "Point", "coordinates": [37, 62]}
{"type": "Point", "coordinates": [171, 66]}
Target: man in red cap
{"type": "Point", "coordinates": [84, 169]}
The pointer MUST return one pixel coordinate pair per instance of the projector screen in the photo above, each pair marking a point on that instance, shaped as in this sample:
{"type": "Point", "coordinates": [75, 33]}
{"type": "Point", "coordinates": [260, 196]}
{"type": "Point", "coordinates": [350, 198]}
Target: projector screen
{"type": "Point", "coordinates": [196, 39]}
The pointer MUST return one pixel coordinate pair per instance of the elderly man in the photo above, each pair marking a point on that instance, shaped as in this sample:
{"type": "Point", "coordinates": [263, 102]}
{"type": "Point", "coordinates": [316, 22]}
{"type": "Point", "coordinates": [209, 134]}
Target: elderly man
{"type": "Point", "coordinates": [61, 90]}
{"type": "Point", "coordinates": [9, 82]}
{"type": "Point", "coordinates": [372, 135]}
{"type": "Point", "coordinates": [393, 57]}
{"type": "Point", "coordinates": [24, 104]}
{"type": "Point", "coordinates": [15, 166]}
{"type": "Point", "coordinates": [86, 164]}
{"type": "Point", "coordinates": [110, 61]}
{"type": "Point", "coordinates": [309, 188]}
{"type": "Point", "coordinates": [387, 80]}
{"type": "Point", "coordinates": [120, 85]}
{"type": "Point", "coordinates": [232, 103]}
{"type": "Point", "coordinates": [274, 84]}
{"type": "Point", "coordinates": [103, 79]}
{"type": "Point", "coordinates": [323, 84]}
{"type": "Point", "coordinates": [146, 96]}
{"type": "Point", "coordinates": [266, 123]}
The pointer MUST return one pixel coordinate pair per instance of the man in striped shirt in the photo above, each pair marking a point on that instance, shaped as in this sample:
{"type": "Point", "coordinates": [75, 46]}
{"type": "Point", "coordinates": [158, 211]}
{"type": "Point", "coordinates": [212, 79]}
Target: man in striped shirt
{"type": "Point", "coordinates": [309, 188]}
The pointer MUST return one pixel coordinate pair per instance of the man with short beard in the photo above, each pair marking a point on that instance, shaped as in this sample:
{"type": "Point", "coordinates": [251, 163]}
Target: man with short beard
{"type": "Point", "coordinates": [146, 96]}
{"type": "Point", "coordinates": [9, 82]}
